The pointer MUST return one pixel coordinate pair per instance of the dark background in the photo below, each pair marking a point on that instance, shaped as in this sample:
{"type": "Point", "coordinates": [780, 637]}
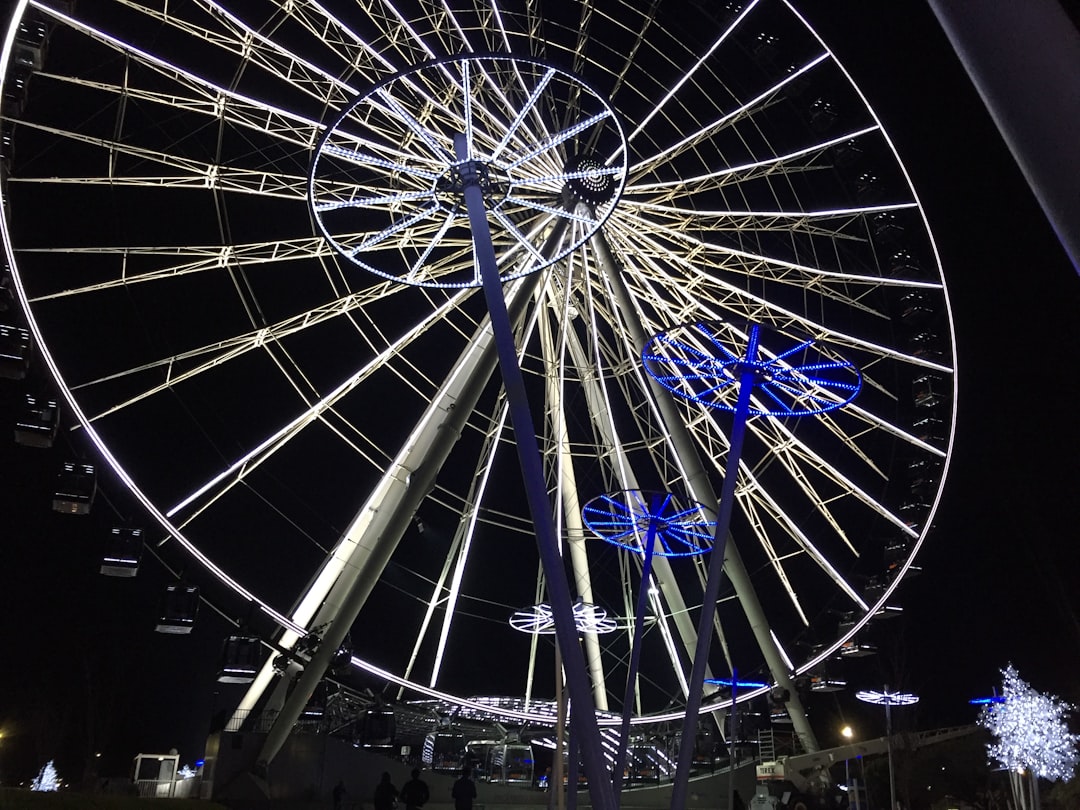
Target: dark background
{"type": "Point", "coordinates": [83, 671]}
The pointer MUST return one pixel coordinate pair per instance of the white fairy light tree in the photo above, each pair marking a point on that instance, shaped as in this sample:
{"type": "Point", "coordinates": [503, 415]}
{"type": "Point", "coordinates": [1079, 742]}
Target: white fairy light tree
{"type": "Point", "coordinates": [1031, 735]}
{"type": "Point", "coordinates": [47, 779]}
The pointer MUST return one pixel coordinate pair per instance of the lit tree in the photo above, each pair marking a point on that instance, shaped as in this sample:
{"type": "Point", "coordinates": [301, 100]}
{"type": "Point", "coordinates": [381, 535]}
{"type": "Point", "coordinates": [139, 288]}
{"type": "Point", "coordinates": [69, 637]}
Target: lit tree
{"type": "Point", "coordinates": [47, 779]}
{"type": "Point", "coordinates": [1031, 735]}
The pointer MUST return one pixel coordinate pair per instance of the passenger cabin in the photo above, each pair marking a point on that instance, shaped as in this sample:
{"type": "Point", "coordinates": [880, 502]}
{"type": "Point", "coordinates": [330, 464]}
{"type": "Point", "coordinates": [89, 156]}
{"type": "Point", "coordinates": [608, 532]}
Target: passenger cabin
{"type": "Point", "coordinates": [241, 659]}
{"type": "Point", "coordinates": [123, 552]}
{"type": "Point", "coordinates": [444, 751]}
{"type": "Point", "coordinates": [38, 422]}
{"type": "Point", "coordinates": [510, 764]}
{"type": "Point", "coordinates": [31, 42]}
{"type": "Point", "coordinates": [179, 609]}
{"type": "Point", "coordinates": [15, 349]}
{"type": "Point", "coordinates": [378, 728]}
{"type": "Point", "coordinates": [76, 487]}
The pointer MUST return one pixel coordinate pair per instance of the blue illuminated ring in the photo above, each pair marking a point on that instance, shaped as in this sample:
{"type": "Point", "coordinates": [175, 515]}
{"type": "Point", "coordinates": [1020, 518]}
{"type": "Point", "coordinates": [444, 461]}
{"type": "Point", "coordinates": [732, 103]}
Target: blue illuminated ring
{"type": "Point", "coordinates": [794, 376]}
{"type": "Point", "coordinates": [385, 185]}
{"type": "Point", "coordinates": [682, 528]}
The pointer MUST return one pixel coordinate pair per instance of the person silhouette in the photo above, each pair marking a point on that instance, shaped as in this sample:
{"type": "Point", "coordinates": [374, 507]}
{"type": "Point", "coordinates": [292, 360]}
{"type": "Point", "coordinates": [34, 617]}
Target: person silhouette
{"type": "Point", "coordinates": [415, 792]}
{"type": "Point", "coordinates": [385, 793]}
{"type": "Point", "coordinates": [339, 794]}
{"type": "Point", "coordinates": [464, 791]}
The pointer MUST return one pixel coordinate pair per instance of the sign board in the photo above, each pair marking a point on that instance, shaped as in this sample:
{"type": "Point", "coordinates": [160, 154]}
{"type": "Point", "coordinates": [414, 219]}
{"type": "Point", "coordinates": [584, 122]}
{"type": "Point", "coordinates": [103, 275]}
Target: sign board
{"type": "Point", "coordinates": [770, 770]}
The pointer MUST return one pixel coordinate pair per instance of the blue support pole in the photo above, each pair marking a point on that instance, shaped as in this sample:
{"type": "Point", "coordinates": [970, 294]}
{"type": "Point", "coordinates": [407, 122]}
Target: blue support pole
{"type": "Point", "coordinates": [585, 729]}
{"type": "Point", "coordinates": [635, 651]}
{"type": "Point", "coordinates": [712, 582]}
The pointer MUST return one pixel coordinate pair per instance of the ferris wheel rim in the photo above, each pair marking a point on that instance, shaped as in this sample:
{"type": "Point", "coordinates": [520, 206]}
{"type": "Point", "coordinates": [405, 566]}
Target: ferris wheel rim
{"type": "Point", "coordinates": [88, 425]}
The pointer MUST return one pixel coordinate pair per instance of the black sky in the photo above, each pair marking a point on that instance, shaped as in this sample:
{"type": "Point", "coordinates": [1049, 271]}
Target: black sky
{"type": "Point", "coordinates": [1000, 581]}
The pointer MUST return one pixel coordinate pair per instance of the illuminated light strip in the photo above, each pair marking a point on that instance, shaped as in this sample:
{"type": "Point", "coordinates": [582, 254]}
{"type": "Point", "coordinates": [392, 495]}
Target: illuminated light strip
{"type": "Point", "coordinates": [719, 122]}
{"type": "Point", "coordinates": [365, 160]}
{"type": "Point", "coordinates": [552, 210]}
{"type": "Point", "coordinates": [766, 305]}
{"type": "Point", "coordinates": [823, 214]}
{"type": "Point", "coordinates": [522, 240]}
{"type": "Point", "coordinates": [432, 243]}
{"type": "Point", "coordinates": [454, 590]}
{"type": "Point", "coordinates": [547, 181]}
{"type": "Point", "coordinates": [467, 105]}
{"type": "Point", "coordinates": [526, 108]}
{"type": "Point", "coordinates": [783, 653]}
{"type": "Point", "coordinates": [371, 202]}
{"type": "Point", "coordinates": [374, 239]}
{"type": "Point", "coordinates": [561, 137]}
{"type": "Point", "coordinates": [407, 118]}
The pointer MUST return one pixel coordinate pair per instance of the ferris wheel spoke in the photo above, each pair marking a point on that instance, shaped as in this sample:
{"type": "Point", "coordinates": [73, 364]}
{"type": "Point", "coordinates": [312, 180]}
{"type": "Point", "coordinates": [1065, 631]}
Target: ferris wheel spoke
{"type": "Point", "coordinates": [234, 473]}
{"type": "Point", "coordinates": [195, 362]}
{"type": "Point", "coordinates": [548, 144]}
{"type": "Point", "coordinates": [195, 173]}
{"type": "Point", "coordinates": [810, 326]}
{"type": "Point", "coordinates": [748, 109]}
{"type": "Point", "coordinates": [525, 110]}
{"type": "Point", "coordinates": [240, 40]}
{"type": "Point", "coordinates": [246, 111]}
{"type": "Point", "coordinates": [195, 259]}
{"type": "Point", "coordinates": [398, 166]}
{"type": "Point", "coordinates": [707, 256]}
{"type": "Point", "coordinates": [834, 223]}
{"type": "Point", "coordinates": [689, 74]}
{"type": "Point", "coordinates": [796, 453]}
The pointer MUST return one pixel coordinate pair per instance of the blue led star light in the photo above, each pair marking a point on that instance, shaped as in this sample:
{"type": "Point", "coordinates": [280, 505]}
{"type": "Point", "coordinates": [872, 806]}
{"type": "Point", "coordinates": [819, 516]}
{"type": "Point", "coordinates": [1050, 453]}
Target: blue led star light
{"type": "Point", "coordinates": [704, 362]}
{"type": "Point", "coordinates": [737, 683]}
{"type": "Point", "coordinates": [680, 528]}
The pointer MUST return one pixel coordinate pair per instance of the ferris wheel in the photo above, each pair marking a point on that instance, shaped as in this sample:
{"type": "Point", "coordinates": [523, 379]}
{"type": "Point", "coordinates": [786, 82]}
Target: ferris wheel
{"type": "Point", "coordinates": [239, 240]}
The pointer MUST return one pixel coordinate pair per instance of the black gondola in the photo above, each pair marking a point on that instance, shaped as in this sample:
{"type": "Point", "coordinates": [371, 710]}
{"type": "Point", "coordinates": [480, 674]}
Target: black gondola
{"type": "Point", "coordinates": [123, 552]}
{"type": "Point", "coordinates": [241, 658]}
{"type": "Point", "coordinates": [179, 608]}
{"type": "Point", "coordinates": [15, 350]}
{"type": "Point", "coordinates": [76, 486]}
{"type": "Point", "coordinates": [38, 422]}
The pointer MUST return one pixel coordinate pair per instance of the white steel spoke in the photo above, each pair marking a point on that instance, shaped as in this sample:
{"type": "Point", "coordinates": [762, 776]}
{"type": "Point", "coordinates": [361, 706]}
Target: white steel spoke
{"type": "Point", "coordinates": [695, 138]}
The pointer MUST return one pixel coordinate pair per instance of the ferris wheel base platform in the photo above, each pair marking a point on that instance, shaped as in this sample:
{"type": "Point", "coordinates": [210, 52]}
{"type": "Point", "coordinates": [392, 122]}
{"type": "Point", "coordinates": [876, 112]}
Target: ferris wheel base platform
{"type": "Point", "coordinates": [308, 767]}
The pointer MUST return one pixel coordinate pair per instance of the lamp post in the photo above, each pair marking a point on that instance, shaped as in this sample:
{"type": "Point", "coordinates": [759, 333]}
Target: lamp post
{"type": "Point", "coordinates": [649, 524]}
{"type": "Point", "coordinates": [539, 620]}
{"type": "Point", "coordinates": [888, 700]}
{"type": "Point", "coordinates": [727, 367]}
{"type": "Point", "coordinates": [848, 734]}
{"type": "Point", "coordinates": [734, 683]}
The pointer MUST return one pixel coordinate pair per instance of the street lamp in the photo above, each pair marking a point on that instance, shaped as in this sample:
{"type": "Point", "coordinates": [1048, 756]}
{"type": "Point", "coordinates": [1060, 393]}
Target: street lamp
{"type": "Point", "coordinates": [888, 700]}
{"type": "Point", "coordinates": [848, 734]}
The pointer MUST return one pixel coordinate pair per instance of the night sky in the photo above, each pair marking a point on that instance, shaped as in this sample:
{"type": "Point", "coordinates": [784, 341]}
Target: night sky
{"type": "Point", "coordinates": [1000, 582]}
